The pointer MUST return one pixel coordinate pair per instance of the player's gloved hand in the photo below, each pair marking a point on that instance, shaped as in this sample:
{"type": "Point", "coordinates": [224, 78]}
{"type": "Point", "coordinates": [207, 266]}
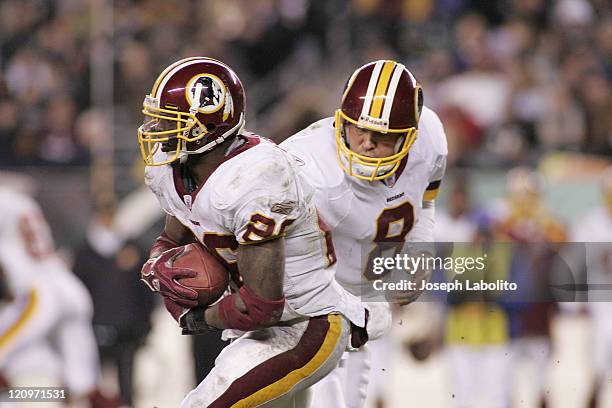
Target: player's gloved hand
{"type": "Point", "coordinates": [405, 297]}
{"type": "Point", "coordinates": [359, 335]}
{"type": "Point", "coordinates": [176, 311]}
{"type": "Point", "coordinates": [160, 276]}
{"type": "Point", "coordinates": [194, 321]}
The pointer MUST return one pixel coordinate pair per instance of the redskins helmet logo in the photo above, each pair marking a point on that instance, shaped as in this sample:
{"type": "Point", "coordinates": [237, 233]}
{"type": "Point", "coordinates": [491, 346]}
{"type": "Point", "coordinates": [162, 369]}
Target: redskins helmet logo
{"type": "Point", "coordinates": [210, 90]}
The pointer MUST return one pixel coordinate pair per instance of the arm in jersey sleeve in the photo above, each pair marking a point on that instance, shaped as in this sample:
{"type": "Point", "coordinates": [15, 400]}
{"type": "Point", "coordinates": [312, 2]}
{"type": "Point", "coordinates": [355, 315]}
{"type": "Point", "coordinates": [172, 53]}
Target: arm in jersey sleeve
{"type": "Point", "coordinates": [423, 230]}
{"type": "Point", "coordinates": [265, 218]}
{"type": "Point", "coordinates": [174, 234]}
{"type": "Point", "coordinates": [420, 240]}
{"type": "Point", "coordinates": [259, 224]}
{"type": "Point", "coordinates": [258, 214]}
{"type": "Point", "coordinates": [260, 301]}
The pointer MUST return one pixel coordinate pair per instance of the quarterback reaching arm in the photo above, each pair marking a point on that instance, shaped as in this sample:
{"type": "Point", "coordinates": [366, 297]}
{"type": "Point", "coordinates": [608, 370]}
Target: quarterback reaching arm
{"type": "Point", "coordinates": [420, 243]}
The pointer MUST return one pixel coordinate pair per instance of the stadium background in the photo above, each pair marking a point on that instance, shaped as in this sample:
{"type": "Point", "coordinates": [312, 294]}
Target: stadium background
{"type": "Point", "coordinates": [515, 82]}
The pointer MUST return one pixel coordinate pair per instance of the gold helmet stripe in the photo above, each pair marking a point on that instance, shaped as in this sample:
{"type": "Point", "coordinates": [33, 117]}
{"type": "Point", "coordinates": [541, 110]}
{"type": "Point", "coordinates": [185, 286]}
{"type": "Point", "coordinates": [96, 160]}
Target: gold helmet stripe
{"type": "Point", "coordinates": [397, 74]}
{"type": "Point", "coordinates": [381, 89]}
{"type": "Point", "coordinates": [166, 71]}
{"type": "Point", "coordinates": [367, 102]}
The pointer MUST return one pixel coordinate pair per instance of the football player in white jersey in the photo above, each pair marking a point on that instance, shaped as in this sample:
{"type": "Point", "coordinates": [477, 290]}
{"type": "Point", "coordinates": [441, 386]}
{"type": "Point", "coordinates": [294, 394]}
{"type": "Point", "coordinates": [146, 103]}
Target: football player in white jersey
{"type": "Point", "coordinates": [47, 304]}
{"type": "Point", "coordinates": [244, 199]}
{"type": "Point", "coordinates": [377, 167]}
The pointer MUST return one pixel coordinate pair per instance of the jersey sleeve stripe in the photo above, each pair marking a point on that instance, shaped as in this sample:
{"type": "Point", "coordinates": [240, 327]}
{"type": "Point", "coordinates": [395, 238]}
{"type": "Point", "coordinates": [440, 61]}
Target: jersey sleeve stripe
{"type": "Point", "coordinates": [432, 191]}
{"type": "Point", "coordinates": [434, 185]}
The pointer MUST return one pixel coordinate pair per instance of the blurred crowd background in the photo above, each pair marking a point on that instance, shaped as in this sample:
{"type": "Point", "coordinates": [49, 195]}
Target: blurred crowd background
{"type": "Point", "coordinates": [515, 83]}
{"type": "Point", "coordinates": [512, 80]}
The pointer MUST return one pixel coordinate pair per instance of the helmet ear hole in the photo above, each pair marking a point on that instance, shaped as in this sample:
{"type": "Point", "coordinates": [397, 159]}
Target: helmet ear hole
{"type": "Point", "coordinates": [210, 127]}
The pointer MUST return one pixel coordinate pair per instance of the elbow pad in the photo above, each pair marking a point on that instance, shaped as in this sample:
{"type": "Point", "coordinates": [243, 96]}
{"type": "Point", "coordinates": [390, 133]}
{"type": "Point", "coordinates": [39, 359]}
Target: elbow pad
{"type": "Point", "coordinates": [260, 312]}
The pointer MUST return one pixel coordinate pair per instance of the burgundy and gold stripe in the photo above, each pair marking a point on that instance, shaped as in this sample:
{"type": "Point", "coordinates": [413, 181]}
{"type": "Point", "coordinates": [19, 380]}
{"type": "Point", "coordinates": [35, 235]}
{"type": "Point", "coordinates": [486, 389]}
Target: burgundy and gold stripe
{"type": "Point", "coordinates": [279, 374]}
{"type": "Point", "coordinates": [432, 190]}
{"type": "Point", "coordinates": [382, 86]}
{"type": "Point", "coordinates": [22, 320]}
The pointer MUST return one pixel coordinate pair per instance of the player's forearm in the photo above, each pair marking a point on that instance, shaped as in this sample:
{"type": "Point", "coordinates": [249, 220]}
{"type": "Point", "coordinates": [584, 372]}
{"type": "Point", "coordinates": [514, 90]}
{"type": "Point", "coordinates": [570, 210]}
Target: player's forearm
{"type": "Point", "coordinates": [175, 234]}
{"type": "Point", "coordinates": [260, 301]}
{"type": "Point", "coordinates": [262, 267]}
{"type": "Point", "coordinates": [213, 315]}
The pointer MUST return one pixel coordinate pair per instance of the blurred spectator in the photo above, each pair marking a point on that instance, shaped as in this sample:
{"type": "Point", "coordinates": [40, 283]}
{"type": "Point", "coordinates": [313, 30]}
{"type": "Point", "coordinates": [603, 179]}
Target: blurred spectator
{"type": "Point", "coordinates": [525, 220]}
{"type": "Point", "coordinates": [59, 143]}
{"type": "Point", "coordinates": [514, 80]}
{"type": "Point", "coordinates": [476, 325]}
{"type": "Point", "coordinates": [122, 308]}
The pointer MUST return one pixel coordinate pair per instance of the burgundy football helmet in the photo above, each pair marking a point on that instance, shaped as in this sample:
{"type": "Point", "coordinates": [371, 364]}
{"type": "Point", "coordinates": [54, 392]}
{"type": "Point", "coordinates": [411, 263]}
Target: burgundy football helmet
{"type": "Point", "coordinates": [195, 104]}
{"type": "Point", "coordinates": [382, 96]}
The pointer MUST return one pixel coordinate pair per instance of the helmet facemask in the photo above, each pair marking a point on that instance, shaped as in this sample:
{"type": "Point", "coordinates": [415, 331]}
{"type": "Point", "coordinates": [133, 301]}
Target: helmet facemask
{"type": "Point", "coordinates": [384, 97]}
{"type": "Point", "coordinates": [167, 130]}
{"type": "Point", "coordinates": [195, 105]}
{"type": "Point", "coordinates": [365, 167]}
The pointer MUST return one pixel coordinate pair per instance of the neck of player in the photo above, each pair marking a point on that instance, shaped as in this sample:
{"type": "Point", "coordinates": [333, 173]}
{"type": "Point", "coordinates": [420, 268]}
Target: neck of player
{"type": "Point", "coordinates": [202, 165]}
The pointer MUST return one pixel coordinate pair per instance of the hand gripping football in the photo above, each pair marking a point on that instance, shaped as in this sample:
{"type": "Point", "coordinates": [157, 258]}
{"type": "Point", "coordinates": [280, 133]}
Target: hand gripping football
{"type": "Point", "coordinates": [212, 278]}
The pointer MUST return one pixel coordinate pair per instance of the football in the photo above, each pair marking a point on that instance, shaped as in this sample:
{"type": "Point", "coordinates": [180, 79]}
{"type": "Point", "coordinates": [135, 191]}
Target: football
{"type": "Point", "coordinates": [212, 278]}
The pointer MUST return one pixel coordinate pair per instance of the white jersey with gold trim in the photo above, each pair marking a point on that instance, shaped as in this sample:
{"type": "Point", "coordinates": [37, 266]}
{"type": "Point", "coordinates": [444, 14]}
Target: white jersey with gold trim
{"type": "Point", "coordinates": [50, 305]}
{"type": "Point", "coordinates": [26, 244]}
{"type": "Point", "coordinates": [361, 213]}
{"type": "Point", "coordinates": [257, 194]}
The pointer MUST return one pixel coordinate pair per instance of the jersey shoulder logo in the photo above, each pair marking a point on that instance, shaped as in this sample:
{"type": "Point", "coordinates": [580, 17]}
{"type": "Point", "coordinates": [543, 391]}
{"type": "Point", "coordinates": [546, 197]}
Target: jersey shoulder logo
{"type": "Point", "coordinates": [285, 207]}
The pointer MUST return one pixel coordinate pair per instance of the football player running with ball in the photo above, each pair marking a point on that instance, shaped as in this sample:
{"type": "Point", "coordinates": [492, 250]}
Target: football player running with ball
{"type": "Point", "coordinates": [376, 167]}
{"type": "Point", "coordinates": [245, 199]}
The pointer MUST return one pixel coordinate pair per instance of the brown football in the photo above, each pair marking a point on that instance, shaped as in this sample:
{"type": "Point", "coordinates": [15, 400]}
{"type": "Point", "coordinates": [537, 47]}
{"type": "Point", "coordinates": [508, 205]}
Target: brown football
{"type": "Point", "coordinates": [212, 278]}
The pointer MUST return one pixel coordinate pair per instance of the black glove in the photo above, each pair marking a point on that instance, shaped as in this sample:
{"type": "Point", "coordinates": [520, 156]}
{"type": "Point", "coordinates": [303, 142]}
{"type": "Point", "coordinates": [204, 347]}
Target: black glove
{"type": "Point", "coordinates": [5, 291]}
{"type": "Point", "coordinates": [194, 322]}
{"type": "Point", "coordinates": [359, 335]}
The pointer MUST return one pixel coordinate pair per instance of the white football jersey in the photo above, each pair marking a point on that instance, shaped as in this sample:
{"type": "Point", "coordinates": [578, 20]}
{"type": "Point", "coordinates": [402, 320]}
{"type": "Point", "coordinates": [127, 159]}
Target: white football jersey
{"type": "Point", "coordinates": [362, 213]}
{"type": "Point", "coordinates": [26, 244]}
{"type": "Point", "coordinates": [254, 195]}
